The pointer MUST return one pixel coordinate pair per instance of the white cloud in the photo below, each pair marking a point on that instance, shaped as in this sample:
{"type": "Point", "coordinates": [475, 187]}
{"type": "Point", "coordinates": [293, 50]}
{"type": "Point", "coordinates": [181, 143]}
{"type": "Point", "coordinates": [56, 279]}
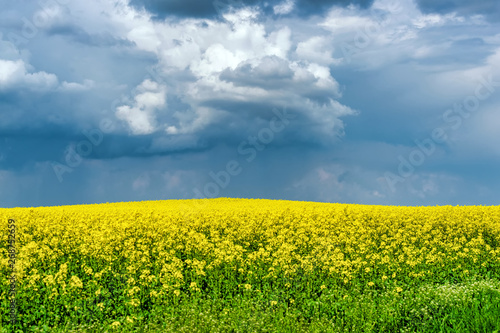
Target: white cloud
{"type": "Point", "coordinates": [346, 20]}
{"type": "Point", "coordinates": [317, 49]}
{"type": "Point", "coordinates": [140, 116]}
{"type": "Point", "coordinates": [205, 48]}
{"type": "Point", "coordinates": [435, 20]}
{"type": "Point", "coordinates": [284, 8]}
{"type": "Point", "coordinates": [73, 86]}
{"type": "Point", "coordinates": [279, 43]}
{"type": "Point", "coordinates": [390, 31]}
{"type": "Point", "coordinates": [219, 46]}
{"type": "Point", "coordinates": [180, 56]}
{"type": "Point", "coordinates": [145, 36]}
{"type": "Point", "coordinates": [116, 17]}
{"type": "Point", "coordinates": [363, 37]}
{"type": "Point", "coordinates": [324, 78]}
{"type": "Point", "coordinates": [14, 73]}
{"type": "Point", "coordinates": [242, 15]}
{"type": "Point", "coordinates": [215, 59]}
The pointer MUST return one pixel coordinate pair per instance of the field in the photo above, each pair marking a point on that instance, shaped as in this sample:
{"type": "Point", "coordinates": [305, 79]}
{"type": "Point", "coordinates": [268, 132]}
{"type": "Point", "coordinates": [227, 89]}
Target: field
{"type": "Point", "coordinates": [241, 265]}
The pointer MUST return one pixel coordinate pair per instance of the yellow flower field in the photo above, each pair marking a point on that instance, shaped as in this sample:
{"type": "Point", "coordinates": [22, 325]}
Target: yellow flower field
{"type": "Point", "coordinates": [123, 260]}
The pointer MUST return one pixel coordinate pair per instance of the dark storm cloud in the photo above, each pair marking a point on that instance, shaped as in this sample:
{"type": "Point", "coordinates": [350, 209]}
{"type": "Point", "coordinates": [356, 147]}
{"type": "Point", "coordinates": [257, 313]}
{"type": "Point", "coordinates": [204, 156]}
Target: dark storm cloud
{"type": "Point", "coordinates": [212, 9]}
{"type": "Point", "coordinates": [40, 128]}
{"type": "Point", "coordinates": [96, 61]}
{"type": "Point", "coordinates": [306, 8]}
{"type": "Point", "coordinates": [490, 8]}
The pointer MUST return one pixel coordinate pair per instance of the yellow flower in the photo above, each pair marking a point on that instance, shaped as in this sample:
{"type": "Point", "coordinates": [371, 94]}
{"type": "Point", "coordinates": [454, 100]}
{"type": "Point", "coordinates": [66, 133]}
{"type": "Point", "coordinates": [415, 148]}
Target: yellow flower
{"type": "Point", "coordinates": [115, 324]}
{"type": "Point", "coordinates": [133, 290]}
{"type": "Point", "coordinates": [76, 282]}
{"type": "Point", "coordinates": [151, 237]}
{"type": "Point", "coordinates": [49, 280]}
{"type": "Point", "coordinates": [88, 270]}
{"type": "Point", "coordinates": [135, 302]}
{"type": "Point", "coordinates": [273, 303]}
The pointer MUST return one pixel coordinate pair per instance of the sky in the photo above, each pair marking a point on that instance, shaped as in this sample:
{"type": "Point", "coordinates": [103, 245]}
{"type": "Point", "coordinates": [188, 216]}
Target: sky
{"type": "Point", "coordinates": [376, 102]}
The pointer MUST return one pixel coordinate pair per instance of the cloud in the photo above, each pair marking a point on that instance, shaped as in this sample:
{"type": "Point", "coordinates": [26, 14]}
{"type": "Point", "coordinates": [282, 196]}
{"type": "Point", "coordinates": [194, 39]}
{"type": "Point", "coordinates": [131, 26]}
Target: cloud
{"type": "Point", "coordinates": [236, 65]}
{"type": "Point", "coordinates": [270, 72]}
{"type": "Point", "coordinates": [140, 116]}
{"type": "Point", "coordinates": [17, 73]}
{"type": "Point", "coordinates": [184, 86]}
{"type": "Point", "coordinates": [284, 8]}
{"type": "Point", "coordinates": [317, 49]}
{"type": "Point", "coordinates": [79, 35]}
{"type": "Point", "coordinates": [489, 8]}
{"type": "Point", "coordinates": [14, 74]}
{"type": "Point", "coordinates": [214, 9]}
{"type": "Point", "coordinates": [189, 8]}
{"type": "Point", "coordinates": [73, 86]}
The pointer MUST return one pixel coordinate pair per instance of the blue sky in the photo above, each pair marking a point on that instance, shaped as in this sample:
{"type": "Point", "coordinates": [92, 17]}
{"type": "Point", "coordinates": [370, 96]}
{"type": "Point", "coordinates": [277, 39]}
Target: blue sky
{"type": "Point", "coordinates": [369, 102]}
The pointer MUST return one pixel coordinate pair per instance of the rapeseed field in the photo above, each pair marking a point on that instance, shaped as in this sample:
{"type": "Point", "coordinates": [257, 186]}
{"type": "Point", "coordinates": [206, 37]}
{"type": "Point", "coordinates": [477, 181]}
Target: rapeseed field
{"type": "Point", "coordinates": [249, 265]}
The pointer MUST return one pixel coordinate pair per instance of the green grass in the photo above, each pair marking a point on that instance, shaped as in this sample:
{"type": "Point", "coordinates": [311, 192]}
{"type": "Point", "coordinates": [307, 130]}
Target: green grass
{"type": "Point", "coordinates": [471, 306]}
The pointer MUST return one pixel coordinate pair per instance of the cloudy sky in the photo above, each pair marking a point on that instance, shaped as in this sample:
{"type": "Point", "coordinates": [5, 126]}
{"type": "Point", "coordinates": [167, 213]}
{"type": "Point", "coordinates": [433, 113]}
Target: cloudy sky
{"type": "Point", "coordinates": [370, 102]}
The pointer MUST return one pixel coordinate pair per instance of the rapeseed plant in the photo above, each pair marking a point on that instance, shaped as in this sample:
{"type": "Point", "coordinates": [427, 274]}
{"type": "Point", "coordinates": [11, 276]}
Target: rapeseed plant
{"type": "Point", "coordinates": [127, 260]}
